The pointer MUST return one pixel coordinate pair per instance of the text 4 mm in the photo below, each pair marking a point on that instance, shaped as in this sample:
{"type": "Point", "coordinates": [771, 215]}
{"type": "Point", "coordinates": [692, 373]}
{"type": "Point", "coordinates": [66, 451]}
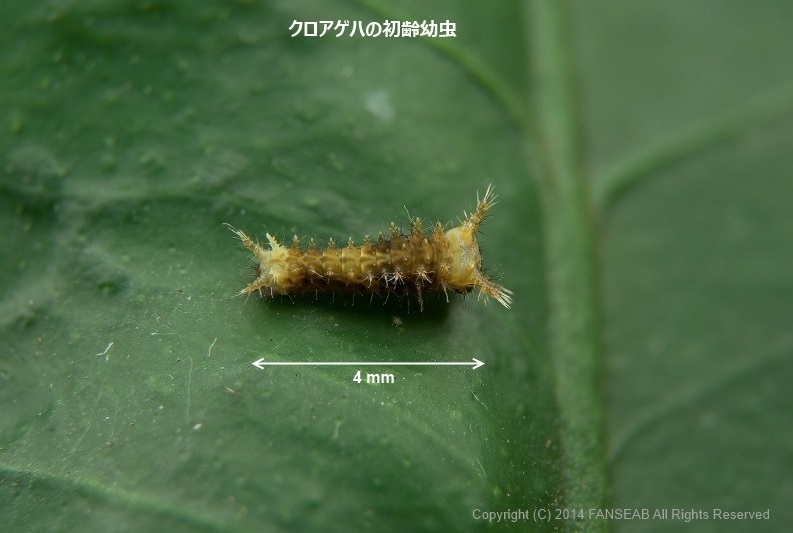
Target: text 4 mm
{"type": "Point", "coordinates": [376, 379]}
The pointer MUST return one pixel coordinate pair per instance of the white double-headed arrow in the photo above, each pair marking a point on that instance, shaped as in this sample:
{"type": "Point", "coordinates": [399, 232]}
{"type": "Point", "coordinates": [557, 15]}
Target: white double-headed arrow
{"type": "Point", "coordinates": [261, 363]}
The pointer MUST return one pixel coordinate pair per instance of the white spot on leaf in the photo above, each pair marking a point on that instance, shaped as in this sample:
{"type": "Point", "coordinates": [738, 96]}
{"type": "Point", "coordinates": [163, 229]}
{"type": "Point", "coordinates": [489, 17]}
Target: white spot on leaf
{"type": "Point", "coordinates": [379, 104]}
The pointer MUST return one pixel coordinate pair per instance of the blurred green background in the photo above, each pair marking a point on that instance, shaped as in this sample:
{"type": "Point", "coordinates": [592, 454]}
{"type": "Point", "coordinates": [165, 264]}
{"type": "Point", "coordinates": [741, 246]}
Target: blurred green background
{"type": "Point", "coordinates": [642, 156]}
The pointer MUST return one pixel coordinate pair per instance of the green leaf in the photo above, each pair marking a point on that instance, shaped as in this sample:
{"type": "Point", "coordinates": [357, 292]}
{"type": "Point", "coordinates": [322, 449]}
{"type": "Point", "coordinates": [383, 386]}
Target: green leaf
{"type": "Point", "coordinates": [640, 158]}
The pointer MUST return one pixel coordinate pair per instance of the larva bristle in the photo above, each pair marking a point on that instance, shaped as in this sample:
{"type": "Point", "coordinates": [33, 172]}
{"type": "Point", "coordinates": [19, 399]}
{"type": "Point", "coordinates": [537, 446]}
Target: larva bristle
{"type": "Point", "coordinates": [488, 201]}
{"type": "Point", "coordinates": [417, 228]}
{"type": "Point", "coordinates": [504, 297]}
{"type": "Point", "coordinates": [422, 276]}
{"type": "Point", "coordinates": [246, 241]}
{"type": "Point", "coordinates": [497, 292]}
{"type": "Point", "coordinates": [409, 264]}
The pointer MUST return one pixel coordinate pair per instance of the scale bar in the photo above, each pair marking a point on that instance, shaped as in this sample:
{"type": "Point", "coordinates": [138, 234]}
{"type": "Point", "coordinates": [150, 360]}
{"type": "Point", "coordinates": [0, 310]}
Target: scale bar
{"type": "Point", "coordinates": [261, 363]}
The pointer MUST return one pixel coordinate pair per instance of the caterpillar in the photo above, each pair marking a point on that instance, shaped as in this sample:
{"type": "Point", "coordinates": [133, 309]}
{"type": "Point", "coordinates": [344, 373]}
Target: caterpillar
{"type": "Point", "coordinates": [412, 264]}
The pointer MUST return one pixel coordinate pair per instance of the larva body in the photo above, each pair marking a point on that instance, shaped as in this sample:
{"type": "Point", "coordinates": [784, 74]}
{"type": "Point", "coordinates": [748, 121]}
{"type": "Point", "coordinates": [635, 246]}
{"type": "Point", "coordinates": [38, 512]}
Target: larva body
{"type": "Point", "coordinates": [412, 264]}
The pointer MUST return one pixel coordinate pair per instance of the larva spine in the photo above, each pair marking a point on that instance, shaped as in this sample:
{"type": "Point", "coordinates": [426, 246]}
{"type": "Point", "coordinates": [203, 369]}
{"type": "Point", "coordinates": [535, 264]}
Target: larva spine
{"type": "Point", "coordinates": [412, 264]}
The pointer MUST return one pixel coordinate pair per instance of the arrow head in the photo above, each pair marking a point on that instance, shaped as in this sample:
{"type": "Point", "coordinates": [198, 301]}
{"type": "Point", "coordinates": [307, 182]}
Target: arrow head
{"type": "Point", "coordinates": [260, 364]}
{"type": "Point", "coordinates": [477, 364]}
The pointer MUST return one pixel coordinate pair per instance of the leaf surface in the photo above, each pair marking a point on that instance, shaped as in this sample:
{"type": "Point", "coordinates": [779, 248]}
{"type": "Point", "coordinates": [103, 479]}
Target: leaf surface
{"type": "Point", "coordinates": [640, 155]}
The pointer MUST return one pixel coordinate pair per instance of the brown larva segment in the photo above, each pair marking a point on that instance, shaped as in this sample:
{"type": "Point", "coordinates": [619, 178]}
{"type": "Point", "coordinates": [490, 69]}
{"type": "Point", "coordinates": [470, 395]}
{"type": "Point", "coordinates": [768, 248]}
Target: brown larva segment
{"type": "Point", "coordinates": [412, 264]}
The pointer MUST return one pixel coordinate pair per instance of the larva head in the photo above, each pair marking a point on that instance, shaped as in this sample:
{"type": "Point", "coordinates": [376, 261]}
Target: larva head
{"type": "Point", "coordinates": [464, 260]}
{"type": "Point", "coordinates": [465, 265]}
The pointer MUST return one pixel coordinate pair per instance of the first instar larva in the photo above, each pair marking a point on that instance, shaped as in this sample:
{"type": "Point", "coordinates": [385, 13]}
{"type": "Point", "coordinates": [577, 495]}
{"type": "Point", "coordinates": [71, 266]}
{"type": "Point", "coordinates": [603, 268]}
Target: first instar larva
{"type": "Point", "coordinates": [412, 264]}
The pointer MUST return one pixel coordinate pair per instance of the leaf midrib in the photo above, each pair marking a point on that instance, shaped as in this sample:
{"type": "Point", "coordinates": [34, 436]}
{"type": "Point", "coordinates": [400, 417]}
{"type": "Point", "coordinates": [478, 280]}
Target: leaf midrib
{"type": "Point", "coordinates": [570, 255]}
